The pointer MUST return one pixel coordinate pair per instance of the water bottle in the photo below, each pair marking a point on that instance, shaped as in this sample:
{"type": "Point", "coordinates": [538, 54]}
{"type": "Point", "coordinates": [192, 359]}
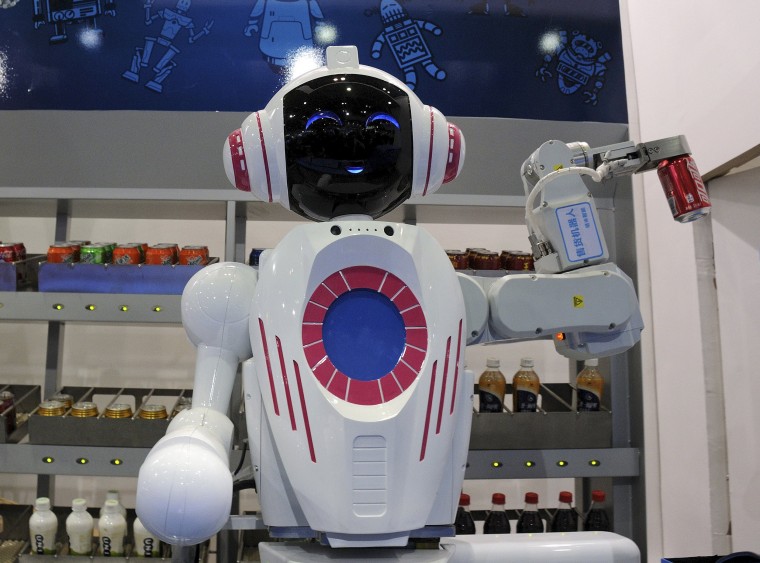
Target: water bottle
{"type": "Point", "coordinates": [113, 528]}
{"type": "Point", "coordinates": [79, 525]}
{"type": "Point", "coordinates": [43, 527]}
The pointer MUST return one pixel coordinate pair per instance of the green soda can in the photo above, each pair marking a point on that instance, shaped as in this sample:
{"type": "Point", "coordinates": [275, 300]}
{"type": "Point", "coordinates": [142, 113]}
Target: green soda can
{"type": "Point", "coordinates": [92, 254]}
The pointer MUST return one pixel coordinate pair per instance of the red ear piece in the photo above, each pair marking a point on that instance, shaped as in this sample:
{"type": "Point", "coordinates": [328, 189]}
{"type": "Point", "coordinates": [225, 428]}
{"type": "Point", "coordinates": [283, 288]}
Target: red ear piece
{"type": "Point", "coordinates": [239, 164]}
{"type": "Point", "coordinates": [456, 153]}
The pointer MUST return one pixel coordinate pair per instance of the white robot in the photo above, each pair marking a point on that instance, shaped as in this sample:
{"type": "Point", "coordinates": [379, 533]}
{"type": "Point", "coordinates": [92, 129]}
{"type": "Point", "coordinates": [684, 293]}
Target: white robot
{"type": "Point", "coordinates": [352, 336]}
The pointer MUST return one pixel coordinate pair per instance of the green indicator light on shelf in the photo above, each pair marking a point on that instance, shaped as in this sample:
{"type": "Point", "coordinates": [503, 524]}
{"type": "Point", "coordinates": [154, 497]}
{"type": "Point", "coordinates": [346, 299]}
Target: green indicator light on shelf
{"type": "Point", "coordinates": [562, 463]}
{"type": "Point", "coordinates": [58, 306]}
{"type": "Point", "coordinates": [496, 464]}
{"type": "Point", "coordinates": [83, 461]}
{"type": "Point", "coordinates": [157, 309]}
{"type": "Point", "coordinates": [116, 461]}
{"type": "Point", "coordinates": [48, 459]}
{"type": "Point", "coordinates": [90, 307]}
{"type": "Point", "coordinates": [594, 463]}
{"type": "Point", "coordinates": [124, 308]}
{"type": "Point", "coordinates": [530, 464]}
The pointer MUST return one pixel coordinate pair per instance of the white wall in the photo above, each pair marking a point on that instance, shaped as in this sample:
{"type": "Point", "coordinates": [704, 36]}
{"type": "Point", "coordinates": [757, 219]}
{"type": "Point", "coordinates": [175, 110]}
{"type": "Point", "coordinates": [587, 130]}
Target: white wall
{"type": "Point", "coordinates": [692, 69]}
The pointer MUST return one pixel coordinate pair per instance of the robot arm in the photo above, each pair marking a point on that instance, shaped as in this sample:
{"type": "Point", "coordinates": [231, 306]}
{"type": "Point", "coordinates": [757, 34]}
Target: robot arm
{"type": "Point", "coordinates": [579, 298]}
{"type": "Point", "coordinates": [184, 489]}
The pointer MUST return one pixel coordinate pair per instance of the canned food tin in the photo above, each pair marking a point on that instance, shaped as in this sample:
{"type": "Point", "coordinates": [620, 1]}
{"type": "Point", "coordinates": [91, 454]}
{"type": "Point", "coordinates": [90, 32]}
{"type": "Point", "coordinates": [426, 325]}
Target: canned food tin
{"type": "Point", "coordinates": [93, 254]}
{"type": "Point", "coordinates": [84, 409]}
{"type": "Point", "coordinates": [7, 402]}
{"type": "Point", "coordinates": [62, 253]}
{"type": "Point", "coordinates": [516, 260]}
{"type": "Point", "coordinates": [153, 411]}
{"type": "Point", "coordinates": [64, 398]}
{"type": "Point", "coordinates": [7, 252]}
{"type": "Point", "coordinates": [51, 408]}
{"type": "Point", "coordinates": [118, 410]}
{"type": "Point", "coordinates": [183, 403]}
{"type": "Point", "coordinates": [127, 254]}
{"type": "Point", "coordinates": [159, 254]}
{"type": "Point", "coordinates": [193, 255]}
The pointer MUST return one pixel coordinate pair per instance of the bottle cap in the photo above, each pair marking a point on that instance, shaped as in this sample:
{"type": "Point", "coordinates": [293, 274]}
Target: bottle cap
{"type": "Point", "coordinates": [598, 496]}
{"type": "Point", "coordinates": [531, 498]}
{"type": "Point", "coordinates": [498, 498]}
{"type": "Point", "coordinates": [79, 504]}
{"type": "Point", "coordinates": [42, 503]}
{"type": "Point", "coordinates": [526, 362]}
{"type": "Point", "coordinates": [591, 362]}
{"type": "Point", "coordinates": [111, 506]}
{"type": "Point", "coordinates": [464, 499]}
{"type": "Point", "coordinates": [112, 495]}
{"type": "Point", "coordinates": [493, 362]}
{"type": "Point", "coordinates": [565, 496]}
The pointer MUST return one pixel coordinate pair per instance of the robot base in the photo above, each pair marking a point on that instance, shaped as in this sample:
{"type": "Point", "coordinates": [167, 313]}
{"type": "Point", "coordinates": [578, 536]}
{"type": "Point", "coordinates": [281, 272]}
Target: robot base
{"type": "Point", "coordinates": [589, 547]}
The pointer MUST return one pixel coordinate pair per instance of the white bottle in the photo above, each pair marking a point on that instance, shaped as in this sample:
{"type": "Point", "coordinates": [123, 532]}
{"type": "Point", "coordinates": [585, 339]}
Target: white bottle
{"type": "Point", "coordinates": [43, 527]}
{"type": "Point", "coordinates": [79, 526]}
{"type": "Point", "coordinates": [113, 528]}
{"type": "Point", "coordinates": [114, 495]}
{"type": "Point", "coordinates": [146, 544]}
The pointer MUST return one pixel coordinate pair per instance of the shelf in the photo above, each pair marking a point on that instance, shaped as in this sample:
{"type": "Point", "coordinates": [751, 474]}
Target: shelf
{"type": "Point", "coordinates": [89, 307]}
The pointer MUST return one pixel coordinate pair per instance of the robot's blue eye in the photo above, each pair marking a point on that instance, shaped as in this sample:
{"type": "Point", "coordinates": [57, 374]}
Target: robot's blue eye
{"type": "Point", "coordinates": [328, 115]}
{"type": "Point", "coordinates": [379, 116]}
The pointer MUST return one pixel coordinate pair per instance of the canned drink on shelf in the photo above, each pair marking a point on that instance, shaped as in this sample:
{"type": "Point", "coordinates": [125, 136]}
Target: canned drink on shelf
{"type": "Point", "coordinates": [254, 256]}
{"type": "Point", "coordinates": [194, 255]}
{"type": "Point", "coordinates": [108, 248]}
{"type": "Point", "coordinates": [143, 246]}
{"type": "Point", "coordinates": [7, 402]}
{"type": "Point", "coordinates": [516, 260]}
{"type": "Point", "coordinates": [153, 411]}
{"type": "Point", "coordinates": [127, 254]}
{"type": "Point", "coordinates": [684, 188]}
{"type": "Point", "coordinates": [458, 259]}
{"type": "Point", "coordinates": [160, 254]}
{"type": "Point", "coordinates": [175, 249]}
{"type": "Point", "coordinates": [62, 253]}
{"type": "Point", "coordinates": [118, 410]}
{"type": "Point", "coordinates": [485, 260]}
{"type": "Point", "coordinates": [93, 254]}
{"type": "Point", "coordinates": [19, 249]}
{"type": "Point", "coordinates": [183, 403]}
{"type": "Point", "coordinates": [51, 408]}
{"type": "Point", "coordinates": [65, 398]}
{"type": "Point", "coordinates": [84, 409]}
{"type": "Point", "coordinates": [7, 252]}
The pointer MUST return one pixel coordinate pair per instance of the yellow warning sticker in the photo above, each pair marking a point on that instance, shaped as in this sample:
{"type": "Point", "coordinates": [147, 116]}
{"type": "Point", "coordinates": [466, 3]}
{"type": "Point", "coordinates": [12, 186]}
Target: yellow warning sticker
{"type": "Point", "coordinates": [578, 301]}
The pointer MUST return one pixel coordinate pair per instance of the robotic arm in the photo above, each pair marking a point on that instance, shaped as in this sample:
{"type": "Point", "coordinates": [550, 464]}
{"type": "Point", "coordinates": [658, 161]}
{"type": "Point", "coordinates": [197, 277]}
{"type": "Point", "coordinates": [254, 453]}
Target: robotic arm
{"type": "Point", "coordinates": [585, 302]}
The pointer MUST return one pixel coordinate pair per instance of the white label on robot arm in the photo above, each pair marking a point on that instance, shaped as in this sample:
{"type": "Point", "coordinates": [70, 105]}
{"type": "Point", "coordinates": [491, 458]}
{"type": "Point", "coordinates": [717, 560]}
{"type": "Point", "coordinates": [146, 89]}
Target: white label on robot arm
{"type": "Point", "coordinates": [580, 233]}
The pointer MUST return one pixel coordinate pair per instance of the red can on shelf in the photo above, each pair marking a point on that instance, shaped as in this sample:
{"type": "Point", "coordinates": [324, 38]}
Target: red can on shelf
{"type": "Point", "coordinates": [195, 255]}
{"type": "Point", "coordinates": [19, 248]}
{"type": "Point", "coordinates": [127, 254]}
{"type": "Point", "coordinates": [7, 252]}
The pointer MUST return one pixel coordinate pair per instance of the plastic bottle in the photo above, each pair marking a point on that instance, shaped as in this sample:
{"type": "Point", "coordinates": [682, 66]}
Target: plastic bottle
{"type": "Point", "coordinates": [565, 518]}
{"type": "Point", "coordinates": [114, 495]}
{"type": "Point", "coordinates": [497, 521]}
{"type": "Point", "coordinates": [492, 386]}
{"type": "Point", "coordinates": [529, 521]}
{"type": "Point", "coordinates": [464, 523]}
{"type": "Point", "coordinates": [79, 525]}
{"type": "Point", "coordinates": [113, 528]}
{"type": "Point", "coordinates": [146, 544]}
{"type": "Point", "coordinates": [596, 518]}
{"type": "Point", "coordinates": [525, 387]}
{"type": "Point", "coordinates": [43, 527]}
{"type": "Point", "coordinates": [590, 385]}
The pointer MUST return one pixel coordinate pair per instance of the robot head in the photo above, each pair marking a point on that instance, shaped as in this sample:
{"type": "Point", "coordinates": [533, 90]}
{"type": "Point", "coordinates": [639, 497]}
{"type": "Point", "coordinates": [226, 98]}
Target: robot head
{"type": "Point", "coordinates": [391, 11]}
{"type": "Point", "coordinates": [183, 5]}
{"type": "Point", "coordinates": [584, 47]}
{"type": "Point", "coordinates": [343, 140]}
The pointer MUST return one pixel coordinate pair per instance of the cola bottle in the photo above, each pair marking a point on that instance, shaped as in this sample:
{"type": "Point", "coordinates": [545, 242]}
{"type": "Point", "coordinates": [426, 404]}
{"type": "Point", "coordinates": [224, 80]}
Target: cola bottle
{"type": "Point", "coordinates": [596, 518]}
{"type": "Point", "coordinates": [529, 521]}
{"type": "Point", "coordinates": [497, 521]}
{"type": "Point", "coordinates": [565, 518]}
{"type": "Point", "coordinates": [464, 523]}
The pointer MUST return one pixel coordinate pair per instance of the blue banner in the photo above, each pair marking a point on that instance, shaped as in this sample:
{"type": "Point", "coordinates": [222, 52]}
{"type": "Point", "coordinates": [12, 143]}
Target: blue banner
{"type": "Point", "coordinates": [530, 59]}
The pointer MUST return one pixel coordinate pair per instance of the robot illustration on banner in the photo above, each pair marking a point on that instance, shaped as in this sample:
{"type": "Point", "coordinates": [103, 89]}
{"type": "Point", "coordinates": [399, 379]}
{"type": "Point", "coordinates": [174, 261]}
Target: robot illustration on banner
{"type": "Point", "coordinates": [62, 13]}
{"type": "Point", "coordinates": [284, 27]}
{"type": "Point", "coordinates": [404, 39]}
{"type": "Point", "coordinates": [352, 331]}
{"type": "Point", "coordinates": [580, 66]}
{"type": "Point", "coordinates": [174, 21]}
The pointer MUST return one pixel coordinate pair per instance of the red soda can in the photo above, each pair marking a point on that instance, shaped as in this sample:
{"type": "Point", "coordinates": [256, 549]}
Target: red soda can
{"type": "Point", "coordinates": [19, 248]}
{"type": "Point", "coordinates": [193, 255]}
{"type": "Point", "coordinates": [160, 254]}
{"type": "Point", "coordinates": [7, 252]}
{"type": "Point", "coordinates": [684, 188]}
{"type": "Point", "coordinates": [125, 254]}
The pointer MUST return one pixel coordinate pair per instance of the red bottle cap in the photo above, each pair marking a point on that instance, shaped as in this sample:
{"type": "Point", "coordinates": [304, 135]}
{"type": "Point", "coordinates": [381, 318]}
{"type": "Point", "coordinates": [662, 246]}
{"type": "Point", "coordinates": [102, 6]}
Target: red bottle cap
{"type": "Point", "coordinates": [531, 498]}
{"type": "Point", "coordinates": [498, 498]}
{"type": "Point", "coordinates": [566, 496]}
{"type": "Point", "coordinates": [598, 496]}
{"type": "Point", "coordinates": [464, 499]}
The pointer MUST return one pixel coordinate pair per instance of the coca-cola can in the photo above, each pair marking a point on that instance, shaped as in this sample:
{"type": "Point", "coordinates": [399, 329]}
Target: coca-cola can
{"type": "Point", "coordinates": [684, 188]}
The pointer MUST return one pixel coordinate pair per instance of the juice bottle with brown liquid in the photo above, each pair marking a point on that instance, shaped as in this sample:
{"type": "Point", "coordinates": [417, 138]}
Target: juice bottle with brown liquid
{"type": "Point", "coordinates": [492, 386]}
{"type": "Point", "coordinates": [590, 384]}
{"type": "Point", "coordinates": [525, 387]}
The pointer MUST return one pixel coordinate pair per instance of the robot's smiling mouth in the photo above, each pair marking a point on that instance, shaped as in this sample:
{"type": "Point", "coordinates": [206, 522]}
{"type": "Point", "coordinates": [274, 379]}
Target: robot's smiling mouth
{"type": "Point", "coordinates": [354, 169]}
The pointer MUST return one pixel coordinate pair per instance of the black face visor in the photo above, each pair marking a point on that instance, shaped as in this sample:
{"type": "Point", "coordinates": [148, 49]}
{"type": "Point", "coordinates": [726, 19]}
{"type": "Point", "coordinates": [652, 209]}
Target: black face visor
{"type": "Point", "coordinates": [348, 147]}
